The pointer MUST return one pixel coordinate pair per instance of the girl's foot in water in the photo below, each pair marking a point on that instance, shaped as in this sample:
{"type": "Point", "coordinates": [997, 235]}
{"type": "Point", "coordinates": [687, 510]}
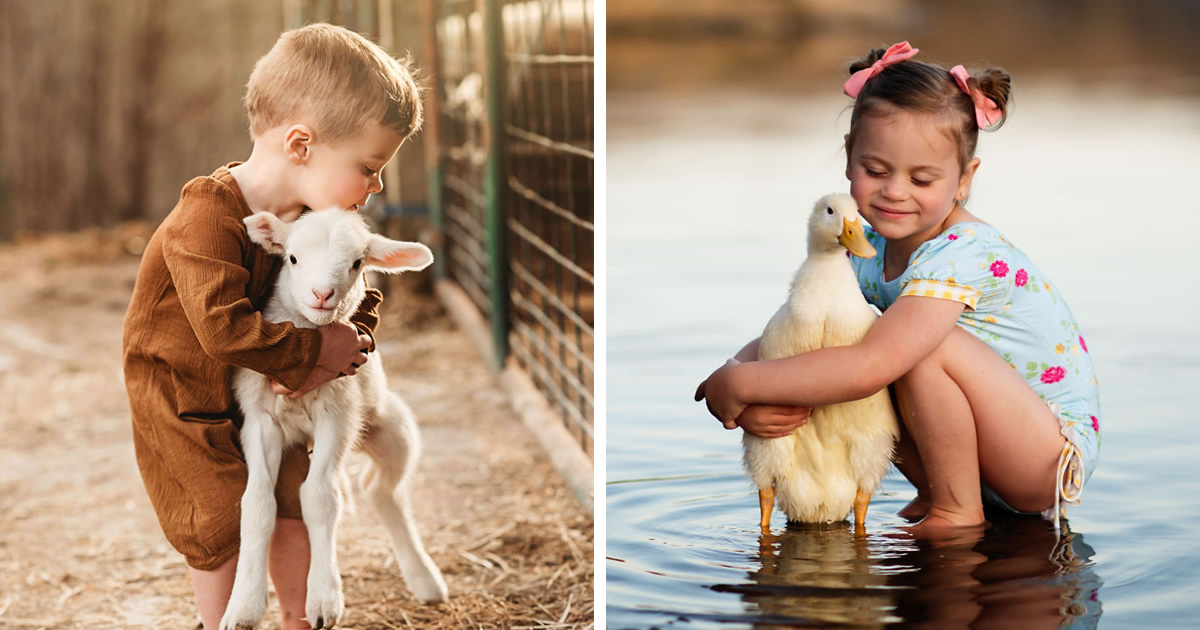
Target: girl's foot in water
{"type": "Point", "coordinates": [916, 509]}
{"type": "Point", "coordinates": [948, 527]}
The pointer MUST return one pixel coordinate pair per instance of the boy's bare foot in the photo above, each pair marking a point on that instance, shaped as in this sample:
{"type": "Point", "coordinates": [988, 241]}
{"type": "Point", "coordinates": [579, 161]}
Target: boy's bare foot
{"type": "Point", "coordinates": [915, 510]}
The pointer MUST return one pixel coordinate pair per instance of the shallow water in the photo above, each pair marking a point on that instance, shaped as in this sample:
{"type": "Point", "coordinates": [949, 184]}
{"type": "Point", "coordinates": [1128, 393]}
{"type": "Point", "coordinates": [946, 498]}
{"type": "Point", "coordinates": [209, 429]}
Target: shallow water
{"type": "Point", "coordinates": [707, 198]}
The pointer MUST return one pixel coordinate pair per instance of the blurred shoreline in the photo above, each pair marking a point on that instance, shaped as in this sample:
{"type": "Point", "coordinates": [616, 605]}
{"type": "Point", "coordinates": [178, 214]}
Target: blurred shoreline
{"type": "Point", "coordinates": [657, 45]}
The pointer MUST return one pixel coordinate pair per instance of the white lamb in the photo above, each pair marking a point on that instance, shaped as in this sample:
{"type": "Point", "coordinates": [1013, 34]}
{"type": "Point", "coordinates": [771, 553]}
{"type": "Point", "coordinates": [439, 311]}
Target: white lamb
{"type": "Point", "coordinates": [321, 282]}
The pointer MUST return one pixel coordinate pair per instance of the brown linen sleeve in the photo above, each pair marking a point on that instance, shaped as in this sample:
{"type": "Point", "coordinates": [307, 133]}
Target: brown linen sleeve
{"type": "Point", "coordinates": [367, 317]}
{"type": "Point", "coordinates": [204, 254]}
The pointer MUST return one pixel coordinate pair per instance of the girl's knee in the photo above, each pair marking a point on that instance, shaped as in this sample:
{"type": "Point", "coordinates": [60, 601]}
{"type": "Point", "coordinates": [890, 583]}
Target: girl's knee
{"type": "Point", "coordinates": [958, 347]}
{"type": "Point", "coordinates": [933, 364]}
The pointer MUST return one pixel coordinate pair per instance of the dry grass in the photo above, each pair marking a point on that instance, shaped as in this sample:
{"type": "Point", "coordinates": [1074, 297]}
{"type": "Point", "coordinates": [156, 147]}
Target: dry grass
{"type": "Point", "coordinates": [79, 545]}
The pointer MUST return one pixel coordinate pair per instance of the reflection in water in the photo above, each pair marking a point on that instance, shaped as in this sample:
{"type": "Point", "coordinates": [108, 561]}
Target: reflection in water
{"type": "Point", "coordinates": [1019, 574]}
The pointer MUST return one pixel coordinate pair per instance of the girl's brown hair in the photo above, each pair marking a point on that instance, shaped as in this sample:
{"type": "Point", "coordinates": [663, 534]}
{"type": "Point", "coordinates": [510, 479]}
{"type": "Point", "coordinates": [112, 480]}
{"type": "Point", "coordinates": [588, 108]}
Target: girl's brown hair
{"type": "Point", "coordinates": [926, 88]}
{"type": "Point", "coordinates": [334, 79]}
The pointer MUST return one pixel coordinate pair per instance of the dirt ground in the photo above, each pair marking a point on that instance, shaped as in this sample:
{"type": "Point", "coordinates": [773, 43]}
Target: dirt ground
{"type": "Point", "coordinates": [79, 544]}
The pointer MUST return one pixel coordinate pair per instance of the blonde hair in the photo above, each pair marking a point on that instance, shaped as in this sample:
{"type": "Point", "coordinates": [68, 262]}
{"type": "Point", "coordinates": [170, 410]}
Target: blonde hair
{"type": "Point", "coordinates": [335, 80]}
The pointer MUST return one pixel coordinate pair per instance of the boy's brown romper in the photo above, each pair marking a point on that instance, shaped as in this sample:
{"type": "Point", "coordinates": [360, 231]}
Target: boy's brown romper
{"type": "Point", "coordinates": [194, 316]}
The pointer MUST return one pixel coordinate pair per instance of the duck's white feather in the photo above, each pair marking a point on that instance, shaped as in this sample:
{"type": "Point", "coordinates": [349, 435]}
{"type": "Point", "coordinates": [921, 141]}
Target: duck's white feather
{"type": "Point", "coordinates": [844, 447]}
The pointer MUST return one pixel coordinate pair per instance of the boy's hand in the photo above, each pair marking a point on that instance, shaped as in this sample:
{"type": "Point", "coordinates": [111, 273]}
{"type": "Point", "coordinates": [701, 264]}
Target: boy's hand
{"type": "Point", "coordinates": [718, 391]}
{"type": "Point", "coordinates": [772, 421]}
{"type": "Point", "coordinates": [343, 349]}
{"type": "Point", "coordinates": [316, 378]}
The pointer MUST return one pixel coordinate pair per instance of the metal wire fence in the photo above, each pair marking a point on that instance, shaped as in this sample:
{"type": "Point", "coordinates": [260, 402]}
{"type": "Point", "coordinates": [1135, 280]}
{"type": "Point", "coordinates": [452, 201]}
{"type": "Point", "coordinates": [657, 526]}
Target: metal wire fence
{"type": "Point", "coordinates": [510, 166]}
{"type": "Point", "coordinates": [516, 185]}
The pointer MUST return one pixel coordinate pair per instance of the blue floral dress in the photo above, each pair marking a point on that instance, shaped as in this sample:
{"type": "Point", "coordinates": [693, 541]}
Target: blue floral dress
{"type": "Point", "coordinates": [1013, 308]}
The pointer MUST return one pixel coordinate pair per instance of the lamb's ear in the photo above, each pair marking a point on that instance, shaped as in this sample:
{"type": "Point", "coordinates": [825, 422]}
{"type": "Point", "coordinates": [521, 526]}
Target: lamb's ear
{"type": "Point", "coordinates": [388, 256]}
{"type": "Point", "coordinates": [268, 231]}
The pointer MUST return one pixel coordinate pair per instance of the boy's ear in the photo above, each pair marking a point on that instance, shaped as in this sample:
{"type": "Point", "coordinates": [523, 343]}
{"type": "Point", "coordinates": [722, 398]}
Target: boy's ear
{"type": "Point", "coordinates": [268, 231]}
{"type": "Point", "coordinates": [389, 256]}
{"type": "Point", "coordinates": [297, 143]}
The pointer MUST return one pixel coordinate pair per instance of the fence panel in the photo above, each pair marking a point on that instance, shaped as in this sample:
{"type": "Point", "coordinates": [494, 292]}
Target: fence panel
{"type": "Point", "coordinates": [549, 202]}
{"type": "Point", "coordinates": [515, 185]}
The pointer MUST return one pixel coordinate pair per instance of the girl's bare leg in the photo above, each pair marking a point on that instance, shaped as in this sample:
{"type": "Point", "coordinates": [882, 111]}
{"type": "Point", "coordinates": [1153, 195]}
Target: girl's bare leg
{"type": "Point", "coordinates": [971, 416]}
{"type": "Point", "coordinates": [908, 461]}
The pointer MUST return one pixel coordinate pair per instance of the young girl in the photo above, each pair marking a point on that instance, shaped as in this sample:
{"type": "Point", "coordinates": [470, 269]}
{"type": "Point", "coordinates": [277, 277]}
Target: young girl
{"type": "Point", "coordinates": [994, 384]}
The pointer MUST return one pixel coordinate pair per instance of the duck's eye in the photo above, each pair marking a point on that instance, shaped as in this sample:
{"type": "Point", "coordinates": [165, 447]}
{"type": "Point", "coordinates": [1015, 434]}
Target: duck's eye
{"type": "Point", "coordinates": [357, 264]}
{"type": "Point", "coordinates": [829, 210]}
{"type": "Point", "coordinates": [293, 259]}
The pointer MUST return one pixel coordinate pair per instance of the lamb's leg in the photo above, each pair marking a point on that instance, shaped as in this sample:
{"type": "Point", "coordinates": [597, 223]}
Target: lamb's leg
{"type": "Point", "coordinates": [392, 442]}
{"type": "Point", "coordinates": [766, 503]}
{"type": "Point", "coordinates": [262, 443]}
{"type": "Point", "coordinates": [320, 502]}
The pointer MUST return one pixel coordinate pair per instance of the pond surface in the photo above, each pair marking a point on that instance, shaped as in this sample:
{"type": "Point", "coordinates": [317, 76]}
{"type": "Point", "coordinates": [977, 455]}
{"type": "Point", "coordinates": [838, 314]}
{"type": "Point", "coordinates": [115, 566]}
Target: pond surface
{"type": "Point", "coordinates": [707, 197]}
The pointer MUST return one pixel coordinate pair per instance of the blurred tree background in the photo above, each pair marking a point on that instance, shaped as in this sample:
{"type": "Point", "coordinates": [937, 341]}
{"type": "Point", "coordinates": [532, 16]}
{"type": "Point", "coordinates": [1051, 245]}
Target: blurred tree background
{"type": "Point", "coordinates": [109, 106]}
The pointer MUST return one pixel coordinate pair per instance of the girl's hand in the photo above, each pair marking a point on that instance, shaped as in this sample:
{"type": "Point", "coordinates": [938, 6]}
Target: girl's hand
{"type": "Point", "coordinates": [718, 390]}
{"type": "Point", "coordinates": [772, 421]}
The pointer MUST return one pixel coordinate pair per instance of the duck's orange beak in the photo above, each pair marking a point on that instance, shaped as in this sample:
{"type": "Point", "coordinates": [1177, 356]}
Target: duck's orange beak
{"type": "Point", "coordinates": [854, 239]}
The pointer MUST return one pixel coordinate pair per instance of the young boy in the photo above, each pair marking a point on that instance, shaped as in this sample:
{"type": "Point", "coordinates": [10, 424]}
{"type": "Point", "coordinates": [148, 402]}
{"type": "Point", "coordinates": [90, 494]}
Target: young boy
{"type": "Point", "coordinates": [328, 109]}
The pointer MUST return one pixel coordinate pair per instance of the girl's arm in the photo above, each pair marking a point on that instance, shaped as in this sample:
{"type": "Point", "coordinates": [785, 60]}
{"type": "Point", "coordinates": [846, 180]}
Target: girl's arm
{"type": "Point", "coordinates": [766, 421]}
{"type": "Point", "coordinates": [907, 332]}
{"type": "Point", "coordinates": [749, 352]}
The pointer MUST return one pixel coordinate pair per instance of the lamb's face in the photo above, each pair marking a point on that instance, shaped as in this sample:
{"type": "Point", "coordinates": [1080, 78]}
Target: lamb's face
{"type": "Point", "coordinates": [324, 255]}
{"type": "Point", "coordinates": [324, 261]}
{"type": "Point", "coordinates": [835, 223]}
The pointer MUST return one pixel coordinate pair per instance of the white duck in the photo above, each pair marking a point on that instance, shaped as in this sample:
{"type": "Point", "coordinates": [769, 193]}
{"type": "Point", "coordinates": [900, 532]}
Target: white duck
{"type": "Point", "coordinates": [835, 461]}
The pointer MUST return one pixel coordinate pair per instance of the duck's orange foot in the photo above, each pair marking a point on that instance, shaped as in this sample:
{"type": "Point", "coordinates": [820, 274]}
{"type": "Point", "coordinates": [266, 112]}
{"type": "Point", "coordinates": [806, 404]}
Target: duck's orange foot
{"type": "Point", "coordinates": [861, 500]}
{"type": "Point", "coordinates": [766, 503]}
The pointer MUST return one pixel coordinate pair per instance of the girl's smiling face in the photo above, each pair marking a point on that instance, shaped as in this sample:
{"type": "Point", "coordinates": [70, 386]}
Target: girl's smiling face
{"type": "Point", "coordinates": [905, 175]}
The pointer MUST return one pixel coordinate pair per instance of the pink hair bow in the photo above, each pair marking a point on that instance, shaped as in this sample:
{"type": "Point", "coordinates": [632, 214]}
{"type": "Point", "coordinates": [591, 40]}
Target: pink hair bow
{"type": "Point", "coordinates": [895, 54]}
{"type": "Point", "coordinates": [987, 113]}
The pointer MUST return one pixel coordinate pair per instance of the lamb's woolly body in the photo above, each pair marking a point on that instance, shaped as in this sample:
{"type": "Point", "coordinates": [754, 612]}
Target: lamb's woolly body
{"type": "Point", "coordinates": [844, 447]}
{"type": "Point", "coordinates": [348, 412]}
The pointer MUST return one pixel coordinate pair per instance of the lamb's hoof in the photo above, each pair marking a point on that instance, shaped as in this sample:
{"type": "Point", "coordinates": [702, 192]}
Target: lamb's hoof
{"type": "Point", "coordinates": [243, 615]}
{"type": "Point", "coordinates": [430, 588]}
{"type": "Point", "coordinates": [324, 612]}
{"type": "Point", "coordinates": [237, 624]}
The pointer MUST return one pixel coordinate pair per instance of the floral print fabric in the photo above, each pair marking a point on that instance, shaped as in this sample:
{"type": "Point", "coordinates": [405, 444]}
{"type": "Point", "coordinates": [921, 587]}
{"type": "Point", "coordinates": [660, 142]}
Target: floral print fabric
{"type": "Point", "coordinates": [1012, 307]}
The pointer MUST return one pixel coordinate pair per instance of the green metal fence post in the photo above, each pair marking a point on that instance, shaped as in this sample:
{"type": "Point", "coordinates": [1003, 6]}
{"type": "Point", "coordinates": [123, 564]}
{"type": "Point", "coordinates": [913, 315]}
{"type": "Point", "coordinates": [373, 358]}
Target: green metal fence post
{"type": "Point", "coordinates": [432, 131]}
{"type": "Point", "coordinates": [494, 177]}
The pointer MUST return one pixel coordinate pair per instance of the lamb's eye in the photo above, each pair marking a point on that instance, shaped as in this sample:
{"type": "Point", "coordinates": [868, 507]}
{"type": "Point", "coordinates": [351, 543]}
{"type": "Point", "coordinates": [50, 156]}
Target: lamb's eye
{"type": "Point", "coordinates": [293, 259]}
{"type": "Point", "coordinates": [829, 210]}
{"type": "Point", "coordinates": [357, 264]}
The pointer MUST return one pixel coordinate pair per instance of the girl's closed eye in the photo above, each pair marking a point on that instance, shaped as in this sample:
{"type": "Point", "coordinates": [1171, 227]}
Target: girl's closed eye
{"type": "Point", "coordinates": [922, 182]}
{"type": "Point", "coordinates": [874, 173]}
